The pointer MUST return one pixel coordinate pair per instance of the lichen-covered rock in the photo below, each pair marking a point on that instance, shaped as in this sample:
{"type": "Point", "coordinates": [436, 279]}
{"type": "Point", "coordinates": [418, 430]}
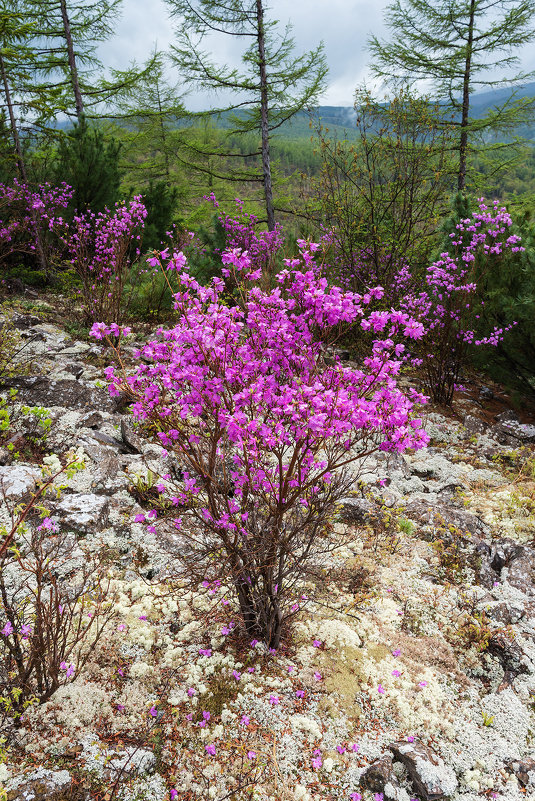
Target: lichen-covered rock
{"type": "Point", "coordinates": [474, 425]}
{"type": "Point", "coordinates": [379, 774]}
{"type": "Point", "coordinates": [444, 515]}
{"type": "Point", "coordinates": [357, 510]}
{"type": "Point", "coordinates": [512, 432]}
{"type": "Point", "coordinates": [431, 777]}
{"type": "Point", "coordinates": [16, 480]}
{"type": "Point", "coordinates": [66, 393]}
{"type": "Point", "coordinates": [521, 571]}
{"type": "Point", "coordinates": [83, 511]}
{"type": "Point", "coordinates": [524, 771]}
{"type": "Point", "coordinates": [130, 438]}
{"type": "Point", "coordinates": [44, 785]}
{"type": "Point", "coordinates": [506, 612]}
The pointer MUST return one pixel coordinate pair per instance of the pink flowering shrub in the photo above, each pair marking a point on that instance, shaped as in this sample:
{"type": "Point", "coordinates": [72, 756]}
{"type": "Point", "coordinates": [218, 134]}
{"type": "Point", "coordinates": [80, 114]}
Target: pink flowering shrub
{"type": "Point", "coordinates": [103, 250]}
{"type": "Point", "coordinates": [53, 609]}
{"type": "Point", "coordinates": [241, 234]}
{"type": "Point", "coordinates": [27, 212]}
{"type": "Point", "coordinates": [263, 428]}
{"type": "Point", "coordinates": [451, 302]}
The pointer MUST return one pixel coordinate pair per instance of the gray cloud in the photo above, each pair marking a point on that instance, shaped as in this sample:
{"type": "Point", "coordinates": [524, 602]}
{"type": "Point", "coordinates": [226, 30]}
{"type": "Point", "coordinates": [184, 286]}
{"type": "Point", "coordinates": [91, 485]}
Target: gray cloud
{"type": "Point", "coordinates": [343, 25]}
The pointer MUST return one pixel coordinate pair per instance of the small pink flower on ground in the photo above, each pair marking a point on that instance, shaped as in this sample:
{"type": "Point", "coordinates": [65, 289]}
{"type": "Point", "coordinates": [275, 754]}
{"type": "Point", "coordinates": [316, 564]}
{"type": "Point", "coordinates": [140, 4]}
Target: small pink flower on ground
{"type": "Point", "coordinates": [355, 747]}
{"type": "Point", "coordinates": [290, 668]}
{"type": "Point", "coordinates": [236, 675]}
{"type": "Point", "coordinates": [254, 643]}
{"type": "Point", "coordinates": [7, 630]}
{"type": "Point", "coordinates": [210, 749]}
{"type": "Point", "coordinates": [120, 671]}
{"type": "Point", "coordinates": [142, 617]}
{"type": "Point", "coordinates": [153, 711]}
{"type": "Point", "coordinates": [410, 738]}
{"type": "Point", "coordinates": [206, 715]}
{"type": "Point", "coordinates": [316, 643]}
{"type": "Point", "coordinates": [251, 754]}
{"type": "Point", "coordinates": [173, 795]}
{"type": "Point", "coordinates": [205, 652]}
{"type": "Point", "coordinates": [121, 627]}
{"type": "Point", "coordinates": [381, 689]}
{"type": "Point", "coordinates": [396, 652]}
{"type": "Point", "coordinates": [245, 720]}
{"type": "Point", "coordinates": [119, 707]}
{"type": "Point", "coordinates": [341, 749]}
{"type": "Point", "coordinates": [378, 797]}
{"type": "Point", "coordinates": [317, 762]}
{"type": "Point", "coordinates": [355, 797]}
{"type": "Point", "coordinates": [422, 684]}
{"type": "Point", "coordinates": [396, 673]}
{"type": "Point", "coordinates": [300, 693]}
{"type": "Point", "coordinates": [317, 676]}
{"type": "Point", "coordinates": [251, 670]}
{"type": "Point", "coordinates": [274, 700]}
{"type": "Point", "coordinates": [191, 692]}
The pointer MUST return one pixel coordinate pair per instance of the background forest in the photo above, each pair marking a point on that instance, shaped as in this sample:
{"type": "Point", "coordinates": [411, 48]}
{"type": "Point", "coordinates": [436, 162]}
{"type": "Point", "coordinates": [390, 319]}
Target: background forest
{"type": "Point", "coordinates": [381, 185]}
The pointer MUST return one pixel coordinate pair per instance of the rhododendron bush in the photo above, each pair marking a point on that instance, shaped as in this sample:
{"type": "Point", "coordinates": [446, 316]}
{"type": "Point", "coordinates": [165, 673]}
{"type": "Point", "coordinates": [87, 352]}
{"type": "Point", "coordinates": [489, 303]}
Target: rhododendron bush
{"type": "Point", "coordinates": [263, 426]}
{"type": "Point", "coordinates": [26, 213]}
{"type": "Point", "coordinates": [104, 249]}
{"type": "Point", "coordinates": [452, 299]}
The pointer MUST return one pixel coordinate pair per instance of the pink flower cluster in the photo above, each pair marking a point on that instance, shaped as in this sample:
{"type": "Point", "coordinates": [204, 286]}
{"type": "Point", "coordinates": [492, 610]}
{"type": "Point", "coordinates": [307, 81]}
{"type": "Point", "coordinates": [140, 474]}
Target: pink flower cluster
{"type": "Point", "coordinates": [241, 236]}
{"type": "Point", "coordinates": [28, 211]}
{"type": "Point", "coordinates": [451, 302]}
{"type": "Point", "coordinates": [259, 373]}
{"type": "Point", "coordinates": [103, 248]}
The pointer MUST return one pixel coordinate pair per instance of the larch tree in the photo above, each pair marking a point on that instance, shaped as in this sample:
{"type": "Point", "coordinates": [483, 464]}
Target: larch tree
{"type": "Point", "coordinates": [272, 85]}
{"type": "Point", "coordinates": [460, 46]}
{"type": "Point", "coordinates": [69, 32]}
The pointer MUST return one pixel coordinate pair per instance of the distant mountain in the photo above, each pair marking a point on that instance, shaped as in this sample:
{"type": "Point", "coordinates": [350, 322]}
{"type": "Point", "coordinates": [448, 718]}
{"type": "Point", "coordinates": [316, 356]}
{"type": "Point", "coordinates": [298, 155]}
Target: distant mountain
{"type": "Point", "coordinates": [342, 119]}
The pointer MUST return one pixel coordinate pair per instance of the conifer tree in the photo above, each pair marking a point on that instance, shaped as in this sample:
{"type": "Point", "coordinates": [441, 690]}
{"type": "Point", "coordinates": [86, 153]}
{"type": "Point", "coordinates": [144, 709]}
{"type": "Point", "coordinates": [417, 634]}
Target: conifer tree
{"type": "Point", "coordinates": [460, 46]}
{"type": "Point", "coordinates": [273, 84]}
{"type": "Point", "coordinates": [69, 32]}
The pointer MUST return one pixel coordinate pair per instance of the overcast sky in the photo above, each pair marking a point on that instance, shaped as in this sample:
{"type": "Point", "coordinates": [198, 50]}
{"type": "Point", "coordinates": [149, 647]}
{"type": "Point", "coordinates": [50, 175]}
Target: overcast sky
{"type": "Point", "coordinates": [343, 25]}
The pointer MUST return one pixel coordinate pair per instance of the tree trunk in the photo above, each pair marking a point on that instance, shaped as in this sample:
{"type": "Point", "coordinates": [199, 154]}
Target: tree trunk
{"type": "Point", "coordinates": [162, 132]}
{"type": "Point", "coordinates": [13, 123]}
{"type": "Point", "coordinates": [79, 103]}
{"type": "Point", "coordinates": [21, 165]}
{"type": "Point", "coordinates": [264, 126]}
{"type": "Point", "coordinates": [463, 144]}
